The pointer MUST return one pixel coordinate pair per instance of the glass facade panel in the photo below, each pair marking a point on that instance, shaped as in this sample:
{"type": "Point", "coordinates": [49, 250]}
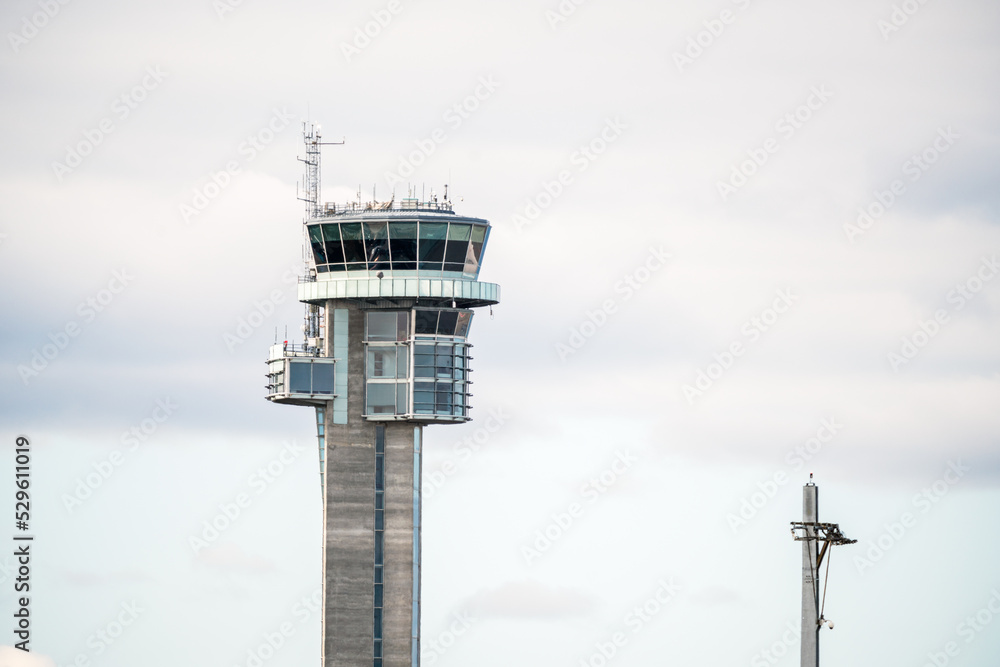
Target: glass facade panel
{"type": "Point", "coordinates": [478, 233]}
{"type": "Point", "coordinates": [382, 362]}
{"type": "Point", "coordinates": [471, 261]}
{"type": "Point", "coordinates": [423, 397]}
{"type": "Point", "coordinates": [331, 239]}
{"type": "Point", "coordinates": [316, 241]}
{"type": "Point", "coordinates": [444, 368]}
{"type": "Point", "coordinates": [377, 245]}
{"type": "Point", "coordinates": [322, 378]}
{"type": "Point", "coordinates": [478, 240]}
{"type": "Point", "coordinates": [462, 324]}
{"type": "Point", "coordinates": [443, 322]}
{"type": "Point", "coordinates": [354, 246]}
{"type": "Point", "coordinates": [458, 246]}
{"type": "Point", "coordinates": [382, 325]}
{"type": "Point", "coordinates": [447, 322]}
{"type": "Point", "coordinates": [402, 362]}
{"type": "Point", "coordinates": [459, 232]}
{"type": "Point", "coordinates": [381, 398]}
{"type": "Point", "coordinates": [401, 399]}
{"type": "Point", "coordinates": [299, 377]}
{"type": "Point", "coordinates": [426, 321]}
{"type": "Point", "coordinates": [403, 244]}
{"type": "Point", "coordinates": [402, 325]}
{"type": "Point", "coordinates": [457, 250]}
{"type": "Point", "coordinates": [444, 402]}
{"type": "Point", "coordinates": [432, 244]}
{"type": "Point", "coordinates": [439, 384]}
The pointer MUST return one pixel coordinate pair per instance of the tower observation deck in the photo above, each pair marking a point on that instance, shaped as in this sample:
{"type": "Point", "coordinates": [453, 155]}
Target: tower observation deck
{"type": "Point", "coordinates": [390, 289]}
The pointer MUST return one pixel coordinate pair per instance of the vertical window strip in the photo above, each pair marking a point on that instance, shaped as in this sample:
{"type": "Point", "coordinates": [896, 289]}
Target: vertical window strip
{"type": "Point", "coordinates": [378, 580]}
{"type": "Point", "coordinates": [415, 628]}
{"type": "Point", "coordinates": [321, 441]}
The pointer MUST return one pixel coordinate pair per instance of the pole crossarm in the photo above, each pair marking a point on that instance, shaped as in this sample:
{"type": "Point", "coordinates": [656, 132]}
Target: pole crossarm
{"type": "Point", "coordinates": [827, 533]}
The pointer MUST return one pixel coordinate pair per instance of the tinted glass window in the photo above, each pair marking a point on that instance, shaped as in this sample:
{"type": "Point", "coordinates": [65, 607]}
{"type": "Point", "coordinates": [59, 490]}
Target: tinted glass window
{"type": "Point", "coordinates": [457, 250]}
{"type": "Point", "coordinates": [402, 325]}
{"type": "Point", "coordinates": [300, 378]}
{"type": "Point", "coordinates": [382, 362]}
{"type": "Point", "coordinates": [432, 241]}
{"type": "Point", "coordinates": [322, 378]}
{"type": "Point", "coordinates": [462, 325]}
{"type": "Point", "coordinates": [478, 241]}
{"type": "Point", "coordinates": [377, 245]}
{"type": "Point", "coordinates": [403, 243]}
{"type": "Point", "coordinates": [381, 325]}
{"type": "Point", "coordinates": [331, 238]}
{"type": "Point", "coordinates": [423, 397]}
{"type": "Point", "coordinates": [401, 406]}
{"type": "Point", "coordinates": [381, 398]}
{"type": "Point", "coordinates": [459, 232]}
{"type": "Point", "coordinates": [446, 325]}
{"type": "Point", "coordinates": [316, 241]}
{"type": "Point", "coordinates": [402, 362]}
{"type": "Point", "coordinates": [354, 247]}
{"type": "Point", "coordinates": [426, 321]}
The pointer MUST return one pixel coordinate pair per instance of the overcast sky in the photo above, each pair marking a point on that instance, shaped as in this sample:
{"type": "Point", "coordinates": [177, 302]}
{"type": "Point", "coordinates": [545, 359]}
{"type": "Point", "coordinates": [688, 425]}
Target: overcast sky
{"type": "Point", "coordinates": [738, 242]}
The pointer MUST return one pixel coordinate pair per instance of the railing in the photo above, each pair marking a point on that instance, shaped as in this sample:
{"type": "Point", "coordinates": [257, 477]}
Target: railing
{"type": "Point", "coordinates": [330, 209]}
{"type": "Point", "coordinates": [301, 350]}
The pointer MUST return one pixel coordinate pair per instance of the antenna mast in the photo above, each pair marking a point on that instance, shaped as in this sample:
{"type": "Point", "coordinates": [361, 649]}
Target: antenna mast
{"type": "Point", "coordinates": [311, 181]}
{"type": "Point", "coordinates": [313, 326]}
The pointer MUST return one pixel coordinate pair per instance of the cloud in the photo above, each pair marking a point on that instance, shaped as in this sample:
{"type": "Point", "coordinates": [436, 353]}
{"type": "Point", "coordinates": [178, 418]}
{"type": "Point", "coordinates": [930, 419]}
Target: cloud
{"type": "Point", "coordinates": [12, 657]}
{"type": "Point", "coordinates": [529, 599]}
{"type": "Point", "coordinates": [230, 557]}
{"type": "Point", "coordinates": [716, 595]}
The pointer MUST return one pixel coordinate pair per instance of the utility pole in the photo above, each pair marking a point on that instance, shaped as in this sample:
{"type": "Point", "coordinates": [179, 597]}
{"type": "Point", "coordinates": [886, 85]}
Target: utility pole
{"type": "Point", "coordinates": [811, 532]}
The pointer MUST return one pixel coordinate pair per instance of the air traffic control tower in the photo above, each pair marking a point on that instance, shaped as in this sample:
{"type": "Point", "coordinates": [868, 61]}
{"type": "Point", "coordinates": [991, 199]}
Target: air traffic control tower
{"type": "Point", "coordinates": [389, 290]}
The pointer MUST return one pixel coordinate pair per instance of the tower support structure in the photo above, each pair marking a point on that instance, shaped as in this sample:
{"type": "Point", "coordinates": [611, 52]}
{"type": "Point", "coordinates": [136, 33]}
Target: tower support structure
{"type": "Point", "coordinates": [390, 290]}
{"type": "Point", "coordinates": [816, 538]}
{"type": "Point", "coordinates": [810, 578]}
